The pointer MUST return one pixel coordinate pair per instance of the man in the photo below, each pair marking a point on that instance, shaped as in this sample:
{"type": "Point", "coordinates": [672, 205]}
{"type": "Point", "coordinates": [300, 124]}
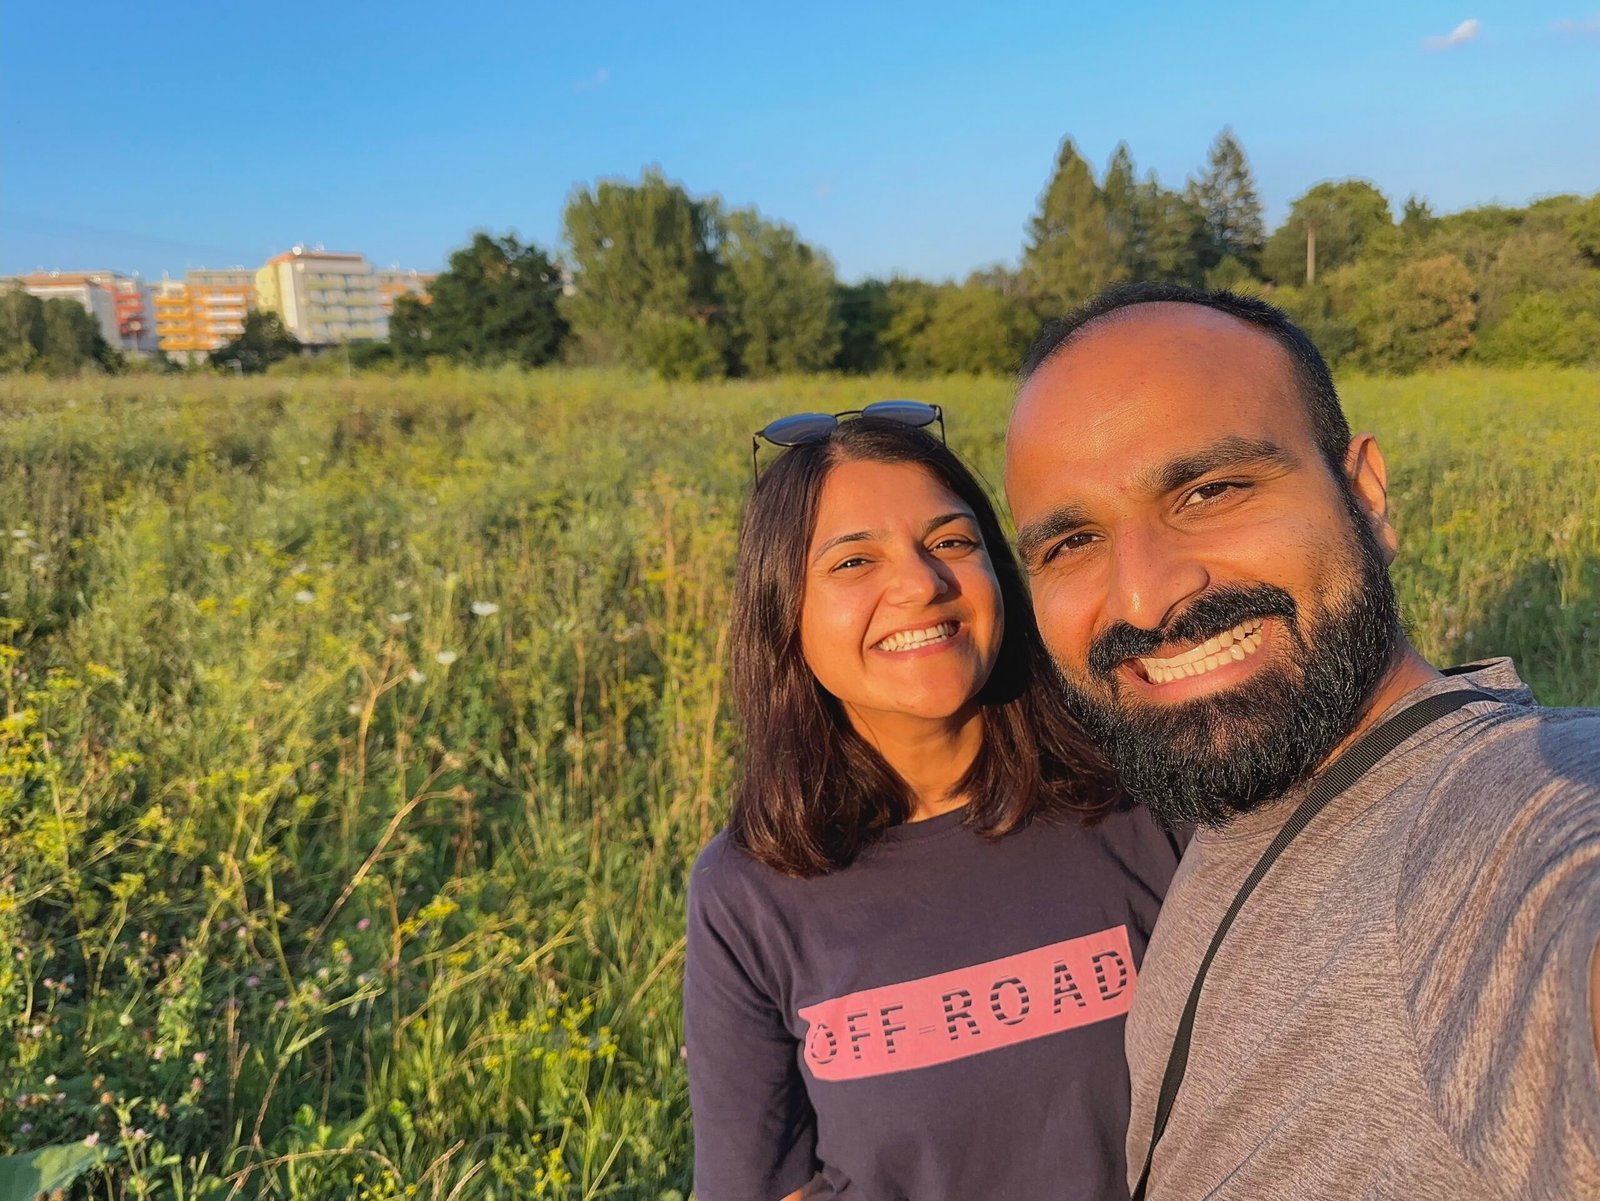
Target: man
{"type": "Point", "coordinates": [1402, 1008]}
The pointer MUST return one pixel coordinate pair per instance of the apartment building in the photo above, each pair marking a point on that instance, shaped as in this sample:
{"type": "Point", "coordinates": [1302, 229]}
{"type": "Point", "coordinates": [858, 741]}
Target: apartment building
{"type": "Point", "coordinates": [204, 311]}
{"type": "Point", "coordinates": [394, 283]}
{"type": "Point", "coordinates": [323, 298]}
{"type": "Point", "coordinates": [120, 304]}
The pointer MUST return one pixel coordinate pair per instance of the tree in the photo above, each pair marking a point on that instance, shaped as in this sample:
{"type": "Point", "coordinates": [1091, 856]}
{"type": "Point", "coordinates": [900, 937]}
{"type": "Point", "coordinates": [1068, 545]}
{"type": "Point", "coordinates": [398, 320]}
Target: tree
{"type": "Point", "coordinates": [1418, 221]}
{"type": "Point", "coordinates": [644, 258]}
{"type": "Point", "coordinates": [1583, 226]}
{"type": "Point", "coordinates": [1422, 318]}
{"type": "Point", "coordinates": [1173, 233]}
{"type": "Point", "coordinates": [1230, 211]}
{"type": "Point", "coordinates": [911, 308]}
{"type": "Point", "coordinates": [71, 339]}
{"type": "Point", "coordinates": [265, 340]}
{"type": "Point", "coordinates": [975, 329]}
{"type": "Point", "coordinates": [1544, 328]}
{"type": "Point", "coordinates": [1350, 217]}
{"type": "Point", "coordinates": [1124, 216]}
{"type": "Point", "coordinates": [864, 312]}
{"type": "Point", "coordinates": [1529, 262]}
{"type": "Point", "coordinates": [21, 329]}
{"type": "Point", "coordinates": [497, 302]}
{"type": "Point", "coordinates": [1069, 255]}
{"type": "Point", "coordinates": [777, 296]}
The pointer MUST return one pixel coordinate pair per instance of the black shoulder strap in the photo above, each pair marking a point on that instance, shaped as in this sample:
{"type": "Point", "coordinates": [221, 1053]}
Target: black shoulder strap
{"type": "Point", "coordinates": [1358, 759]}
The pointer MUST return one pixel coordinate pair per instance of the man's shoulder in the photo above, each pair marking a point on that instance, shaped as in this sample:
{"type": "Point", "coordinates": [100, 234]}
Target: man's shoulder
{"type": "Point", "coordinates": [1508, 791]}
{"type": "Point", "coordinates": [1503, 754]}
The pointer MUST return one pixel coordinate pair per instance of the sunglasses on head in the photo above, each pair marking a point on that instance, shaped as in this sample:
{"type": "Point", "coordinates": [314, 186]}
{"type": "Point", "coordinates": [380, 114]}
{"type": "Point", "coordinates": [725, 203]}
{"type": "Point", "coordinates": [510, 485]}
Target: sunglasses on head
{"type": "Point", "coordinates": [799, 428]}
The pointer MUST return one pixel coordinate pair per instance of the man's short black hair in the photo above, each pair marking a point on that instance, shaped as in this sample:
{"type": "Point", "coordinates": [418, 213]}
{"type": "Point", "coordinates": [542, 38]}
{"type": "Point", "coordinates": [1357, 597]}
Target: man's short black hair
{"type": "Point", "coordinates": [1328, 424]}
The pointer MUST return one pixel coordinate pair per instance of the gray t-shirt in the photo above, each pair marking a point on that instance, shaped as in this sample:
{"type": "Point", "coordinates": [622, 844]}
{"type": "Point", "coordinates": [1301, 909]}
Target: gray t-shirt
{"type": "Point", "coordinates": [1401, 1009]}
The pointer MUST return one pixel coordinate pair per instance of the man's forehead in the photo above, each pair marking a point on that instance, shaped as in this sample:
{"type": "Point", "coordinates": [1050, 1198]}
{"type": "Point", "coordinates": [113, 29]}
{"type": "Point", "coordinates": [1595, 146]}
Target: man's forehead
{"type": "Point", "coordinates": [1154, 370]}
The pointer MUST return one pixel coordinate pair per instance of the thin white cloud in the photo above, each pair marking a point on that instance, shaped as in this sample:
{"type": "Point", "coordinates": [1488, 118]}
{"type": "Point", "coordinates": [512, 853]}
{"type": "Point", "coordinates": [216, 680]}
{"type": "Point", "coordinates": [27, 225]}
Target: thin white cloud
{"type": "Point", "coordinates": [1459, 36]}
{"type": "Point", "coordinates": [1586, 28]}
{"type": "Point", "coordinates": [595, 82]}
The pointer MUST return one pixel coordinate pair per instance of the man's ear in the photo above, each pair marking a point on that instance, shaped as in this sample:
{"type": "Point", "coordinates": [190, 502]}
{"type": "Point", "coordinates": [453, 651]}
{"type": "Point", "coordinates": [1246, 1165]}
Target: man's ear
{"type": "Point", "coordinates": [1368, 476]}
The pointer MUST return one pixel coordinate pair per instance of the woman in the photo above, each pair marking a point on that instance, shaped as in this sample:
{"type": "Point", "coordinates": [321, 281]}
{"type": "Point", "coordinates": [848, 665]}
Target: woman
{"type": "Point", "coordinates": [910, 952]}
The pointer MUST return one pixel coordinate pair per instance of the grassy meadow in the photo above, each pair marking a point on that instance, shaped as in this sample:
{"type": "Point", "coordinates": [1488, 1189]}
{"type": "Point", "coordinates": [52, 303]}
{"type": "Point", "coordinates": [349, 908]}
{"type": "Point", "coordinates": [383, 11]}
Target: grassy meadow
{"type": "Point", "coordinates": [356, 736]}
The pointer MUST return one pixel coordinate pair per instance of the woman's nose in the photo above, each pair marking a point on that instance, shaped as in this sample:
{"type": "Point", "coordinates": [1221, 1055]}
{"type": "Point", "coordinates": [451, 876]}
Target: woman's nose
{"type": "Point", "coordinates": [919, 580]}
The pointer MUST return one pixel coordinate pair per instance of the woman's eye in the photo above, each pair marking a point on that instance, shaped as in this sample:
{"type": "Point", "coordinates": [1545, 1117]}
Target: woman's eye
{"type": "Point", "coordinates": [954, 542]}
{"type": "Point", "coordinates": [852, 561]}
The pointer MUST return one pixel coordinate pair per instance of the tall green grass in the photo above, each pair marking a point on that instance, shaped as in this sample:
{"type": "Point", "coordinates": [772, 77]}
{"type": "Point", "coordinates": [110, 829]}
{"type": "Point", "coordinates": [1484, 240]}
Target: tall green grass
{"type": "Point", "coordinates": [356, 737]}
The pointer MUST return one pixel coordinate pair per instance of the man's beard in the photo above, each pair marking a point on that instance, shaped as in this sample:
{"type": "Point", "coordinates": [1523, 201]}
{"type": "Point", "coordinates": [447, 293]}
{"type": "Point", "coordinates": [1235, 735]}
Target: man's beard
{"type": "Point", "coordinates": [1208, 759]}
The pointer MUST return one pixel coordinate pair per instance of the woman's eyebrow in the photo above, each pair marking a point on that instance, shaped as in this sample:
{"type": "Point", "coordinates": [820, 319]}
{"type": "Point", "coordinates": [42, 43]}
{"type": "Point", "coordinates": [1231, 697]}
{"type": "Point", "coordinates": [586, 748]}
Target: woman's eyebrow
{"type": "Point", "coordinates": [946, 519]}
{"type": "Point", "coordinates": [858, 536]}
{"type": "Point", "coordinates": [870, 535]}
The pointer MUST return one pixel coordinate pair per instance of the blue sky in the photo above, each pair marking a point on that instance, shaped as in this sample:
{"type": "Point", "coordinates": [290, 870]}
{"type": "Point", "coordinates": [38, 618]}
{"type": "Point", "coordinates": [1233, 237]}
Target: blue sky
{"type": "Point", "coordinates": [899, 137]}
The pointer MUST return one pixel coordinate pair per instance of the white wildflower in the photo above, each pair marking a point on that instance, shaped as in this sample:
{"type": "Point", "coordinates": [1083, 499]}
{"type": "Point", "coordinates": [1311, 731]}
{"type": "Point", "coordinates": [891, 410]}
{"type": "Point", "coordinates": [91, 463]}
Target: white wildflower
{"type": "Point", "coordinates": [304, 597]}
{"type": "Point", "coordinates": [485, 608]}
{"type": "Point", "coordinates": [399, 619]}
{"type": "Point", "coordinates": [446, 658]}
{"type": "Point", "coordinates": [415, 676]}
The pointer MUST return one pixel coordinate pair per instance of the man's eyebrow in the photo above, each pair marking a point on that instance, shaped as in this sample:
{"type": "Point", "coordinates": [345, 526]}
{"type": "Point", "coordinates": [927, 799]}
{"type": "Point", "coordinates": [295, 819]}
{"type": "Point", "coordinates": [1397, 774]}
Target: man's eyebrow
{"type": "Point", "coordinates": [1063, 519]}
{"type": "Point", "coordinates": [1232, 451]}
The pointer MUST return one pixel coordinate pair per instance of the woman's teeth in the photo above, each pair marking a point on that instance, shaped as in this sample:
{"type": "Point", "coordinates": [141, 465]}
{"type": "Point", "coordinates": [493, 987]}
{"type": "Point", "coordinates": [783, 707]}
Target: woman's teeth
{"type": "Point", "coordinates": [907, 640]}
{"type": "Point", "coordinates": [1229, 647]}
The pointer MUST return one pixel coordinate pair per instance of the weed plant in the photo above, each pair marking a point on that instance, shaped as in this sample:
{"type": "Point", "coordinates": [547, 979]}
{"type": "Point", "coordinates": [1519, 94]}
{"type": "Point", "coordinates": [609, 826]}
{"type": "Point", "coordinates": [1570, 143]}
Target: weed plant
{"type": "Point", "coordinates": [356, 737]}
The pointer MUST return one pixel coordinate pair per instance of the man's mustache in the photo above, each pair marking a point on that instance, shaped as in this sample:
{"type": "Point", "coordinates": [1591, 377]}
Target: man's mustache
{"type": "Point", "coordinates": [1211, 613]}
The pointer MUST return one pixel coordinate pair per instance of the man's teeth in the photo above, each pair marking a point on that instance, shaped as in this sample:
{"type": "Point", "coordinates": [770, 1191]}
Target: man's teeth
{"type": "Point", "coordinates": [1228, 647]}
{"type": "Point", "coordinates": [907, 640]}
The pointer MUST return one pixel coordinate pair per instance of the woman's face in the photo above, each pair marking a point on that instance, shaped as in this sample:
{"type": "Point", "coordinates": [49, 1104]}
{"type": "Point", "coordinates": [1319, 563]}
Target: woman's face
{"type": "Point", "coordinates": [901, 615]}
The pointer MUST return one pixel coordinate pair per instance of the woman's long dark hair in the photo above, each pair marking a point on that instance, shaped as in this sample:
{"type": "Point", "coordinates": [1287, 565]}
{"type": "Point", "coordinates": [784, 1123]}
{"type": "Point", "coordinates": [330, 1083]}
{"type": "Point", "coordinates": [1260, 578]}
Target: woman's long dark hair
{"type": "Point", "coordinates": [813, 793]}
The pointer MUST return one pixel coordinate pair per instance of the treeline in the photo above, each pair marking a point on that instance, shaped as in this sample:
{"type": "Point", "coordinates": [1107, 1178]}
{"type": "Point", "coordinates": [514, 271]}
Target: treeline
{"type": "Point", "coordinates": [654, 277]}
{"type": "Point", "coordinates": [51, 337]}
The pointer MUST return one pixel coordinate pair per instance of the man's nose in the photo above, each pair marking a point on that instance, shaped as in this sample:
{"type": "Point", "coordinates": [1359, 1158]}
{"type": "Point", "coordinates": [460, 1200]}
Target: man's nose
{"type": "Point", "coordinates": [1154, 573]}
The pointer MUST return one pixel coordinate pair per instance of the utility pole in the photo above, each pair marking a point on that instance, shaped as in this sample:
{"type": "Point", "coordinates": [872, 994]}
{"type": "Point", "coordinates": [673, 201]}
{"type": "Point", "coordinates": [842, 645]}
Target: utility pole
{"type": "Point", "coordinates": [1311, 253]}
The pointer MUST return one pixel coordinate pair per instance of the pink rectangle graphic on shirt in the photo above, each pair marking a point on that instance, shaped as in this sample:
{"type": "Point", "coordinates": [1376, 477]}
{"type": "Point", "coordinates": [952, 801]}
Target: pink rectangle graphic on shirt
{"type": "Point", "coordinates": [919, 1023]}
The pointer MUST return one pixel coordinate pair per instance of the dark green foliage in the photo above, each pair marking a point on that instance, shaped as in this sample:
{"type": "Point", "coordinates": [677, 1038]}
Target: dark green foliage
{"type": "Point", "coordinates": [264, 341]}
{"type": "Point", "coordinates": [1229, 209]}
{"type": "Point", "coordinates": [1070, 253]}
{"type": "Point", "coordinates": [56, 336]}
{"type": "Point", "coordinates": [864, 312]}
{"type": "Point", "coordinates": [1528, 262]}
{"type": "Point", "coordinates": [1350, 216]}
{"type": "Point", "coordinates": [946, 329]}
{"type": "Point", "coordinates": [1422, 317]}
{"type": "Point", "coordinates": [777, 298]}
{"type": "Point", "coordinates": [1546, 327]}
{"type": "Point", "coordinates": [497, 303]}
{"type": "Point", "coordinates": [678, 348]}
{"type": "Point", "coordinates": [642, 255]}
{"type": "Point", "coordinates": [1583, 226]}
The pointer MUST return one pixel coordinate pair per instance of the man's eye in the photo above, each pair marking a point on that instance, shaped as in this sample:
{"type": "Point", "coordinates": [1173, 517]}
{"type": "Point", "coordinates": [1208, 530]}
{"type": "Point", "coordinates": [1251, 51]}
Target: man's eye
{"type": "Point", "coordinates": [1069, 544]}
{"type": "Point", "coordinates": [954, 542]}
{"type": "Point", "coordinates": [1214, 490]}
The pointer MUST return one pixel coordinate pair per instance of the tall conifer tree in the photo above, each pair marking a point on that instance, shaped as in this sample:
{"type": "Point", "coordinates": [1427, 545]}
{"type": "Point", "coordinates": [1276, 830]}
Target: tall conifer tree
{"type": "Point", "coordinates": [1229, 207]}
{"type": "Point", "coordinates": [1069, 255]}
